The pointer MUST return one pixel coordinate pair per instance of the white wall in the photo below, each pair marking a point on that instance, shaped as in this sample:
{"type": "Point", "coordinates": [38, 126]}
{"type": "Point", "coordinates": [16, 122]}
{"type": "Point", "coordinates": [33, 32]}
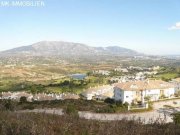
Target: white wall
{"type": "Point", "coordinates": [169, 92]}
{"type": "Point", "coordinates": [124, 96]}
{"type": "Point", "coordinates": [128, 96]}
{"type": "Point", "coordinates": [154, 94]}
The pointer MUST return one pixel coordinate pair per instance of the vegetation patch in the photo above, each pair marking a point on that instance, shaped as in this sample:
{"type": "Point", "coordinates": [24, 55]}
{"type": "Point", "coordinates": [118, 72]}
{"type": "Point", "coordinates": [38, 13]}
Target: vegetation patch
{"type": "Point", "coordinates": [46, 124]}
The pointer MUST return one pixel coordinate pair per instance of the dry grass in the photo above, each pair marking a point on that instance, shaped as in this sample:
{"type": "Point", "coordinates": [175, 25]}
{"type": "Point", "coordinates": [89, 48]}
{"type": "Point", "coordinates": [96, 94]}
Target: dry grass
{"type": "Point", "coordinates": [43, 124]}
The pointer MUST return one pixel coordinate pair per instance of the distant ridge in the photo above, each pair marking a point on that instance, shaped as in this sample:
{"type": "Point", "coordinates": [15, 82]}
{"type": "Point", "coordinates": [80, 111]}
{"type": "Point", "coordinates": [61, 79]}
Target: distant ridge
{"type": "Point", "coordinates": [67, 49]}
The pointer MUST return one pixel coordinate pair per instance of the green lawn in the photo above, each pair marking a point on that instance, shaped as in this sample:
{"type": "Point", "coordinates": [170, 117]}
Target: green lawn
{"type": "Point", "coordinates": [55, 86]}
{"type": "Point", "coordinates": [166, 76]}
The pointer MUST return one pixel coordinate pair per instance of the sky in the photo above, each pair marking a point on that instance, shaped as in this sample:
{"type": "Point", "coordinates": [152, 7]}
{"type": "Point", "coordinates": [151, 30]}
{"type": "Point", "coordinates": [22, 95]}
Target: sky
{"type": "Point", "coordinates": [147, 26]}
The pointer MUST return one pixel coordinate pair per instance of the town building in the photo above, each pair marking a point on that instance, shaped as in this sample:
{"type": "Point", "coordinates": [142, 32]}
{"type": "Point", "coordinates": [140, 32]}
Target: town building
{"type": "Point", "coordinates": [100, 92]}
{"type": "Point", "coordinates": [138, 91]}
{"type": "Point", "coordinates": [119, 69]}
{"type": "Point", "coordinates": [102, 72]}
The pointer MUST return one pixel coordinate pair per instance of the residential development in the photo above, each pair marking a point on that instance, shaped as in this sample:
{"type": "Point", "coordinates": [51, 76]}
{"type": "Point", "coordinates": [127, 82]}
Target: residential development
{"type": "Point", "coordinates": [138, 91]}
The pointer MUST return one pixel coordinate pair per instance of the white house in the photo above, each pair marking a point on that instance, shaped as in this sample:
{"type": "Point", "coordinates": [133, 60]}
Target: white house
{"type": "Point", "coordinates": [102, 72]}
{"type": "Point", "coordinates": [96, 92]}
{"type": "Point", "coordinates": [124, 70]}
{"type": "Point", "coordinates": [138, 90]}
{"type": "Point", "coordinates": [156, 67]}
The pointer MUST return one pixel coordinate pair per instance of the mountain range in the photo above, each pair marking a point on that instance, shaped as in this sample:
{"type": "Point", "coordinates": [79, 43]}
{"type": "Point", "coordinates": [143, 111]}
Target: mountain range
{"type": "Point", "coordinates": [59, 48]}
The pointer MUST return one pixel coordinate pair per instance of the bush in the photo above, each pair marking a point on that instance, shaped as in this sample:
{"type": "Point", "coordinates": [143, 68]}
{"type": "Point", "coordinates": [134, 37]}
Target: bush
{"type": "Point", "coordinates": [7, 105]}
{"type": "Point", "coordinates": [29, 107]}
{"type": "Point", "coordinates": [176, 118]}
{"type": "Point", "coordinates": [46, 124]}
{"type": "Point", "coordinates": [23, 99]}
{"type": "Point", "coordinates": [165, 79]}
{"type": "Point", "coordinates": [107, 109]}
{"type": "Point", "coordinates": [109, 101]}
{"type": "Point", "coordinates": [177, 94]}
{"type": "Point", "coordinates": [119, 103]}
{"type": "Point", "coordinates": [71, 110]}
{"type": "Point", "coordinates": [126, 104]}
{"type": "Point", "coordinates": [163, 96]}
{"type": "Point", "coordinates": [147, 98]}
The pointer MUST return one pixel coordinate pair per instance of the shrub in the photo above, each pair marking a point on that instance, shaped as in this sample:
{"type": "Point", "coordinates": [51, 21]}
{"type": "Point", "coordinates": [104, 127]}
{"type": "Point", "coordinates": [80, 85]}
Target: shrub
{"type": "Point", "coordinates": [29, 106]}
{"type": "Point", "coordinates": [177, 94]}
{"type": "Point", "coordinates": [126, 104]}
{"type": "Point", "coordinates": [107, 109]}
{"type": "Point", "coordinates": [119, 103]}
{"type": "Point", "coordinates": [162, 96]}
{"type": "Point", "coordinates": [165, 79]}
{"type": "Point", "coordinates": [147, 98]}
{"type": "Point", "coordinates": [71, 110]}
{"type": "Point", "coordinates": [167, 106]}
{"type": "Point", "coordinates": [46, 124]}
{"type": "Point", "coordinates": [8, 105]}
{"type": "Point", "coordinates": [176, 118]}
{"type": "Point", "coordinates": [23, 99]}
{"type": "Point", "coordinates": [109, 101]}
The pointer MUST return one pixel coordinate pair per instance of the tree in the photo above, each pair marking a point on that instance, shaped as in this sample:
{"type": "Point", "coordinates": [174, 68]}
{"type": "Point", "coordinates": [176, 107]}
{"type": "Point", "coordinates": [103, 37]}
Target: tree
{"type": "Point", "coordinates": [89, 73]}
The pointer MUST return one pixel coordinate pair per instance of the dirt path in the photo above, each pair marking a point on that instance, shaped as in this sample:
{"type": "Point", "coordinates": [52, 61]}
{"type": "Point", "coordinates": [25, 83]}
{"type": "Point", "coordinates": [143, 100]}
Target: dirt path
{"type": "Point", "coordinates": [48, 111]}
{"type": "Point", "coordinates": [159, 113]}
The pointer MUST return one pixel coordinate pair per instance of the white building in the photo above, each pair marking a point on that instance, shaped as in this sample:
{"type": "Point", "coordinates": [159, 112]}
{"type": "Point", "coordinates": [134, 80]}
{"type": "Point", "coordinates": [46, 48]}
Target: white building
{"type": "Point", "coordinates": [119, 69]}
{"type": "Point", "coordinates": [97, 92]}
{"type": "Point", "coordinates": [139, 90]}
{"type": "Point", "coordinates": [102, 72]}
{"type": "Point", "coordinates": [156, 67]}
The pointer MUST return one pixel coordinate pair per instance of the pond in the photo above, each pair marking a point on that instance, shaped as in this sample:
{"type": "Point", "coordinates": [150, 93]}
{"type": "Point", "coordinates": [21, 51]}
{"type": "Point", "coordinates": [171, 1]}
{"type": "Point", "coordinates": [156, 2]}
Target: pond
{"type": "Point", "coordinates": [78, 76]}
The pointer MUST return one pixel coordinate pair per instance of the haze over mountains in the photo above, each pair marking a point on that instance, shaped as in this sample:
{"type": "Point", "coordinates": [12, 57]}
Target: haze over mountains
{"type": "Point", "coordinates": [59, 48]}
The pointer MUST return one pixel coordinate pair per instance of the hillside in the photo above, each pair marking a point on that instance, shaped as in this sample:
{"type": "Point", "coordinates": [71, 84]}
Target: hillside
{"type": "Point", "coordinates": [66, 49]}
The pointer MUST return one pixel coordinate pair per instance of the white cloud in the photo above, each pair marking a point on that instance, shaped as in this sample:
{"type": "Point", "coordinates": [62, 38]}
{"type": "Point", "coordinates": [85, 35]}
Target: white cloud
{"type": "Point", "coordinates": [175, 27]}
